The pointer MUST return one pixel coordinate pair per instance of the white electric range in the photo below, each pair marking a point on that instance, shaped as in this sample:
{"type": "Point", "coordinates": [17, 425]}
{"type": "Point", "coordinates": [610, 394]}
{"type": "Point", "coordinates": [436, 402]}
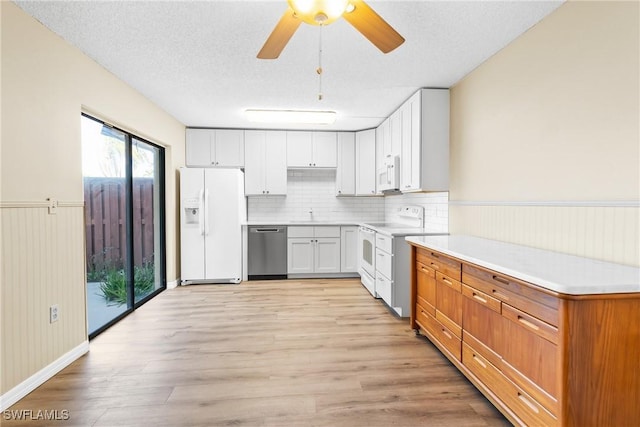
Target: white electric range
{"type": "Point", "coordinates": [384, 257]}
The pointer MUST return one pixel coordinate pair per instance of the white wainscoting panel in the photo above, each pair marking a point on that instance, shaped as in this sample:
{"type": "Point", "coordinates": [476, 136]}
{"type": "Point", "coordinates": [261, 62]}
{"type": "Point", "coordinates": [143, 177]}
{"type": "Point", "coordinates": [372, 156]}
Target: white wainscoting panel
{"type": "Point", "coordinates": [600, 231]}
{"type": "Point", "coordinates": [42, 263]}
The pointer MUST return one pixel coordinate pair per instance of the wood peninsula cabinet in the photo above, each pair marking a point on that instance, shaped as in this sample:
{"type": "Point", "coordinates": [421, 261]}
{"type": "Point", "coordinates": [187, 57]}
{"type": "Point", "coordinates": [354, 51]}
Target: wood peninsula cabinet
{"type": "Point", "coordinates": [550, 339]}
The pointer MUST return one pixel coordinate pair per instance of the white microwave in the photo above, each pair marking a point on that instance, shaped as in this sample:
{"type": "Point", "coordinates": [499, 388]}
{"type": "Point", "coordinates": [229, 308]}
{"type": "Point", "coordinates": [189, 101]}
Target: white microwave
{"type": "Point", "coordinates": [388, 177]}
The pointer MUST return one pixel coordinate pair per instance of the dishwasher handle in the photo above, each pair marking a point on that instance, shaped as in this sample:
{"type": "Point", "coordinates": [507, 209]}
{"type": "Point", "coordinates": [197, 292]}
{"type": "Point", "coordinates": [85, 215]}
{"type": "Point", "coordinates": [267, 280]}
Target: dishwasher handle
{"type": "Point", "coordinates": [266, 230]}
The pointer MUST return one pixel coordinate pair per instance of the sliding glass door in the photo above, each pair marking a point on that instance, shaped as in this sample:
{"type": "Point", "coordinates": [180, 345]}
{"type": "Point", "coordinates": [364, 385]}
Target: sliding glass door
{"type": "Point", "coordinates": [147, 172]}
{"type": "Point", "coordinates": [124, 220]}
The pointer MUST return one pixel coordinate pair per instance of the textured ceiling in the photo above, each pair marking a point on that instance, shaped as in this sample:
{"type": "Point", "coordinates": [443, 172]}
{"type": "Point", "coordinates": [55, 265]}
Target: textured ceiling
{"type": "Point", "coordinates": [197, 59]}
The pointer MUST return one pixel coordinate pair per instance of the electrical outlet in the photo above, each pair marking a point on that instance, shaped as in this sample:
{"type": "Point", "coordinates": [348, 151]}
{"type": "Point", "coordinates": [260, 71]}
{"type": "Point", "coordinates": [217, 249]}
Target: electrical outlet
{"type": "Point", "coordinates": [53, 313]}
{"type": "Point", "coordinates": [53, 206]}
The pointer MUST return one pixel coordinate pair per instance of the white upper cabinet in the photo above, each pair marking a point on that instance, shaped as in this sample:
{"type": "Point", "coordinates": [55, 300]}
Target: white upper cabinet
{"type": "Point", "coordinates": [325, 149]}
{"type": "Point", "coordinates": [395, 130]}
{"type": "Point", "coordinates": [425, 141]}
{"type": "Point", "coordinates": [265, 163]}
{"type": "Point", "coordinates": [366, 163]}
{"type": "Point", "coordinates": [215, 147]}
{"type": "Point", "coordinates": [311, 149]}
{"type": "Point", "coordinates": [229, 147]}
{"type": "Point", "coordinates": [383, 142]}
{"type": "Point", "coordinates": [346, 166]}
{"type": "Point", "coordinates": [198, 147]}
{"type": "Point", "coordinates": [299, 149]}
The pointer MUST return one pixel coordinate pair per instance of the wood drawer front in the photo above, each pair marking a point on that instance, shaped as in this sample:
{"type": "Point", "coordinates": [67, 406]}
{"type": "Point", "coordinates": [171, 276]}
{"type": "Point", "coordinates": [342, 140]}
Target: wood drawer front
{"type": "Point", "coordinates": [532, 355]}
{"type": "Point", "coordinates": [426, 320]}
{"type": "Point", "coordinates": [524, 406]}
{"type": "Point", "coordinates": [532, 389]}
{"type": "Point", "coordinates": [449, 324]}
{"type": "Point", "coordinates": [452, 283]}
{"type": "Point", "coordinates": [440, 262]}
{"type": "Point", "coordinates": [484, 324]}
{"type": "Point", "coordinates": [449, 340]}
{"type": "Point", "coordinates": [449, 299]}
{"type": "Point", "coordinates": [481, 348]}
{"type": "Point", "coordinates": [509, 293]}
{"type": "Point", "coordinates": [537, 326]}
{"type": "Point", "coordinates": [426, 287]}
{"type": "Point", "coordinates": [482, 298]}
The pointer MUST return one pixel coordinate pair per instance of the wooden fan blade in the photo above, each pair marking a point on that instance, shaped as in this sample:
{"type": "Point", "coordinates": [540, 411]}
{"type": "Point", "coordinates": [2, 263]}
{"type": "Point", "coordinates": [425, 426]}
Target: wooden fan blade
{"type": "Point", "coordinates": [373, 27]}
{"type": "Point", "coordinates": [280, 35]}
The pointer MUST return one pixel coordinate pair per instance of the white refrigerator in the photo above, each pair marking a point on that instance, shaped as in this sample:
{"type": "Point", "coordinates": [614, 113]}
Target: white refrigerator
{"type": "Point", "coordinates": [212, 210]}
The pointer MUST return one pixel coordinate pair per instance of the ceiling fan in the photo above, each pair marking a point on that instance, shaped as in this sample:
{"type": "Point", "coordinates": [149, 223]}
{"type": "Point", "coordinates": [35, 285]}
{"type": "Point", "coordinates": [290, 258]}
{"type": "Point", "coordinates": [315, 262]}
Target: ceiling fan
{"type": "Point", "coordinates": [324, 12]}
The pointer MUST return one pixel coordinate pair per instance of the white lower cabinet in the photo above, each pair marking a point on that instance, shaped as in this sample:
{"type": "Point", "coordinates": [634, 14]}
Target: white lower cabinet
{"type": "Point", "coordinates": [312, 250]}
{"type": "Point", "coordinates": [349, 249]}
{"type": "Point", "coordinates": [300, 255]}
{"type": "Point", "coordinates": [327, 255]}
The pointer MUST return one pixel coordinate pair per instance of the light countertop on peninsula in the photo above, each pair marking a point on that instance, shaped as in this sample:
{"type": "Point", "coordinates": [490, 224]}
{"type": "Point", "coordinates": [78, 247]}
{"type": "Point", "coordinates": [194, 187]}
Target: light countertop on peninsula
{"type": "Point", "coordinates": [302, 223]}
{"type": "Point", "coordinates": [557, 272]}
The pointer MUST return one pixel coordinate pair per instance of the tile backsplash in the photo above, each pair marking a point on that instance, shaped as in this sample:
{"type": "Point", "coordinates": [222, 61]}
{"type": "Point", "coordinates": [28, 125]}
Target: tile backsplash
{"type": "Point", "coordinates": [311, 195]}
{"type": "Point", "coordinates": [436, 208]}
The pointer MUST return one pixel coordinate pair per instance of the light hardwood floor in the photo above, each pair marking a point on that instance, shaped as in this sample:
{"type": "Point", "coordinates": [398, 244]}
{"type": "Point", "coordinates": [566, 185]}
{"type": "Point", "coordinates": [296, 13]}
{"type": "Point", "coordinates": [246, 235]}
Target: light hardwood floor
{"type": "Point", "coordinates": [272, 353]}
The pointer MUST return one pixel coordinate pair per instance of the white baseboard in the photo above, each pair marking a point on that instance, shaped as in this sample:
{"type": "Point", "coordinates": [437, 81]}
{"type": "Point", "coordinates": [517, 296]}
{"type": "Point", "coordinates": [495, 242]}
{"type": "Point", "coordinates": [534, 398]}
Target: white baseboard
{"type": "Point", "coordinates": [173, 284]}
{"type": "Point", "coordinates": [44, 374]}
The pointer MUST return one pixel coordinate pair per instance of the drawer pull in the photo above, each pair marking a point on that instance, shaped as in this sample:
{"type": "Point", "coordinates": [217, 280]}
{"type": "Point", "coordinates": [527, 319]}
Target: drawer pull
{"type": "Point", "coordinates": [479, 298]}
{"type": "Point", "coordinates": [448, 282]}
{"type": "Point", "coordinates": [528, 323]}
{"type": "Point", "coordinates": [435, 266]}
{"type": "Point", "coordinates": [435, 255]}
{"type": "Point", "coordinates": [501, 280]}
{"type": "Point", "coordinates": [526, 401]}
{"type": "Point", "coordinates": [479, 362]}
{"type": "Point", "coordinates": [447, 334]}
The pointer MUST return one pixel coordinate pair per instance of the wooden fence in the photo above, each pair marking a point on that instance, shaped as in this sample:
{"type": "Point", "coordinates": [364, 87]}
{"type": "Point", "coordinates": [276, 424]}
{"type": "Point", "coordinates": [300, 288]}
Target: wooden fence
{"type": "Point", "coordinates": [105, 222]}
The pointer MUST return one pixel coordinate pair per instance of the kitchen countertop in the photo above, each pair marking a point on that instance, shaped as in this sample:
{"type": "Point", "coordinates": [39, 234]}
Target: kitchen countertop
{"type": "Point", "coordinates": [302, 223]}
{"type": "Point", "coordinates": [558, 272]}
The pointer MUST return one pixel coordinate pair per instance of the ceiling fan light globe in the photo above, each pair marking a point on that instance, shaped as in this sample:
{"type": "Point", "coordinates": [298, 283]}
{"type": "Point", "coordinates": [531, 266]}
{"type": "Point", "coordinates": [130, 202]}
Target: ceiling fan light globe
{"type": "Point", "coordinates": [318, 12]}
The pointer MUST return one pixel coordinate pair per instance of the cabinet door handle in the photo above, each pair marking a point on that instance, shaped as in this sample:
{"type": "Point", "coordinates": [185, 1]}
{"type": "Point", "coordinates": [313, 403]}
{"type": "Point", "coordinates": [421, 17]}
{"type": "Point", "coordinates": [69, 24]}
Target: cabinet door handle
{"type": "Point", "coordinates": [447, 334]}
{"type": "Point", "coordinates": [479, 362]}
{"type": "Point", "coordinates": [528, 323]}
{"type": "Point", "coordinates": [526, 401]}
{"type": "Point", "coordinates": [501, 280]}
{"type": "Point", "coordinates": [447, 281]}
{"type": "Point", "coordinates": [435, 266]}
{"type": "Point", "coordinates": [479, 298]}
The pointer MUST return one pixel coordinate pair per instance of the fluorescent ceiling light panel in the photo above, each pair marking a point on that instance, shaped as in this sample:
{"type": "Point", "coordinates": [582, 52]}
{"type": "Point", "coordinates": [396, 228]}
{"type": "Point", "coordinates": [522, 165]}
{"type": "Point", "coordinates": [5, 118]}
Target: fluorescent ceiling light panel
{"type": "Point", "coordinates": [291, 116]}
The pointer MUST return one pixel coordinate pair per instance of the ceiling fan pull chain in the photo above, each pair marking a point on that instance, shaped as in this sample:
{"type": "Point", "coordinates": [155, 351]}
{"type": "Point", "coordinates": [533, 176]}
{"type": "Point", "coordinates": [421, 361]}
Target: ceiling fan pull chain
{"type": "Point", "coordinates": [319, 69]}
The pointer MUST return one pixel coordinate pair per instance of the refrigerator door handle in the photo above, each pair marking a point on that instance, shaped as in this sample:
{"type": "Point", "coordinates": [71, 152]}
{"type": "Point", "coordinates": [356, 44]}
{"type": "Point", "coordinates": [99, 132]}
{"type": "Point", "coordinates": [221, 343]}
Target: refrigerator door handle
{"type": "Point", "coordinates": [206, 217]}
{"type": "Point", "coordinates": [201, 212]}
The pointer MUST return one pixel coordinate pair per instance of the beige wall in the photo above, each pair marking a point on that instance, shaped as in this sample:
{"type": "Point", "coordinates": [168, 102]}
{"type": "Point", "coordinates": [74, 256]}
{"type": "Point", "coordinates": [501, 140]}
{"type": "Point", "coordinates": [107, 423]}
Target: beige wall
{"type": "Point", "coordinates": [545, 140]}
{"type": "Point", "coordinates": [46, 84]}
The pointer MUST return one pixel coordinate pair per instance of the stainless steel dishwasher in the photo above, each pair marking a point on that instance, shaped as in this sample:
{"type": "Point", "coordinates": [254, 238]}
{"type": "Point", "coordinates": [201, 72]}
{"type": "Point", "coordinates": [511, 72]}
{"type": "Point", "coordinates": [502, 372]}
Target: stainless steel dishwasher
{"type": "Point", "coordinates": [267, 257]}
